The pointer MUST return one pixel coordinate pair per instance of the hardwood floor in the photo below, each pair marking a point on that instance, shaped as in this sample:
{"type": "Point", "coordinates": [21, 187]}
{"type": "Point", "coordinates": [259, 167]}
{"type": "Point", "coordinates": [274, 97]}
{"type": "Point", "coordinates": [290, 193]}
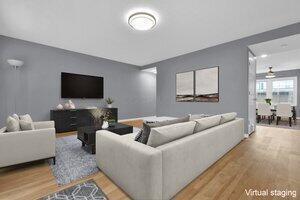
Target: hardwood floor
{"type": "Point", "coordinates": [269, 159]}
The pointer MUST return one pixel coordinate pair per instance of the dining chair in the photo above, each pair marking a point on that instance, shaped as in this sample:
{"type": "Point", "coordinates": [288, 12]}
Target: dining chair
{"type": "Point", "coordinates": [284, 110]}
{"type": "Point", "coordinates": [264, 110]}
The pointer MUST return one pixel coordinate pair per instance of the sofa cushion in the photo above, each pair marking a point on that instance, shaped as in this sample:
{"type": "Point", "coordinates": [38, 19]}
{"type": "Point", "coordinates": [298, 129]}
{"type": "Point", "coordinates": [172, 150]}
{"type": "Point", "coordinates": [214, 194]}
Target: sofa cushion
{"type": "Point", "coordinates": [169, 133]}
{"type": "Point", "coordinates": [3, 130]}
{"type": "Point", "coordinates": [138, 135]}
{"type": "Point", "coordinates": [12, 124]}
{"type": "Point", "coordinates": [197, 116]}
{"type": "Point", "coordinates": [207, 122]}
{"type": "Point", "coordinates": [145, 132]}
{"type": "Point", "coordinates": [26, 118]}
{"type": "Point", "coordinates": [26, 126]}
{"type": "Point", "coordinates": [15, 116]}
{"type": "Point", "coordinates": [226, 117]}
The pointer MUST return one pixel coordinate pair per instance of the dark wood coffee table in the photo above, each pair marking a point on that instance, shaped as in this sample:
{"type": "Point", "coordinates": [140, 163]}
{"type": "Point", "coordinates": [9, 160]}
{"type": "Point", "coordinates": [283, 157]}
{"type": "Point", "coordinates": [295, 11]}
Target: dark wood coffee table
{"type": "Point", "coordinates": [87, 134]}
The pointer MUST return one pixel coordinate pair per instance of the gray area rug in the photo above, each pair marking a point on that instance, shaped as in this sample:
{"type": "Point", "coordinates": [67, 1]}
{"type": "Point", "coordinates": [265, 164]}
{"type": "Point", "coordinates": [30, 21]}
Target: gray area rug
{"type": "Point", "coordinates": [84, 191]}
{"type": "Point", "coordinates": [72, 162]}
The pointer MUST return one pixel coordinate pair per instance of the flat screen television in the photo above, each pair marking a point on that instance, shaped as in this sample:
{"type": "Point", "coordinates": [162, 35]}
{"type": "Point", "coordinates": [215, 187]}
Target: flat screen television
{"type": "Point", "coordinates": [81, 86]}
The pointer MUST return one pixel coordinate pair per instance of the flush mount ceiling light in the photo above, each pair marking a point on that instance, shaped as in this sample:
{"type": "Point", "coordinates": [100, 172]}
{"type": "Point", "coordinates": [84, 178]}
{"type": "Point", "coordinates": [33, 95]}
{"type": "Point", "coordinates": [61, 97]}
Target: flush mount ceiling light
{"type": "Point", "coordinates": [270, 73]}
{"type": "Point", "coordinates": [264, 56]}
{"type": "Point", "coordinates": [142, 21]}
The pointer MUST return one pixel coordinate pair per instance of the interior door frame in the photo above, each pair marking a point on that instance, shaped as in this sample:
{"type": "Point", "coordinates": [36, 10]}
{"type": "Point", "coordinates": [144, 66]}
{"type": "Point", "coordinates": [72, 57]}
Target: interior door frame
{"type": "Point", "coordinates": [250, 131]}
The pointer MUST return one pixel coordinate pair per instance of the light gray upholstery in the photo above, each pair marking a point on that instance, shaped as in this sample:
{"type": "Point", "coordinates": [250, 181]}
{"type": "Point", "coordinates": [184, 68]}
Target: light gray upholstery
{"type": "Point", "coordinates": [161, 135]}
{"type": "Point", "coordinates": [187, 158]}
{"type": "Point", "coordinates": [25, 146]}
{"type": "Point", "coordinates": [135, 167]}
{"type": "Point", "coordinates": [43, 124]}
{"type": "Point", "coordinates": [12, 124]}
{"type": "Point", "coordinates": [25, 125]}
{"type": "Point", "coordinates": [3, 130]}
{"type": "Point", "coordinates": [207, 122]}
{"type": "Point", "coordinates": [144, 172]}
{"type": "Point", "coordinates": [227, 117]}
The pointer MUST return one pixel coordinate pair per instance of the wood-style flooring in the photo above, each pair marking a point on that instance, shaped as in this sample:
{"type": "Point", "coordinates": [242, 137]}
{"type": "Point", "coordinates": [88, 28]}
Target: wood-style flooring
{"type": "Point", "coordinates": [269, 159]}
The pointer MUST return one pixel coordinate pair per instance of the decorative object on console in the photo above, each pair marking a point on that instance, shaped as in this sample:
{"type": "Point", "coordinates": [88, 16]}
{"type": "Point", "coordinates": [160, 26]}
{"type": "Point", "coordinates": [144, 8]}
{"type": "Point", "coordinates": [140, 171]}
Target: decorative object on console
{"type": "Point", "coordinates": [71, 105]}
{"type": "Point", "coordinates": [109, 102]}
{"type": "Point", "coordinates": [67, 106]}
{"type": "Point", "coordinates": [59, 107]}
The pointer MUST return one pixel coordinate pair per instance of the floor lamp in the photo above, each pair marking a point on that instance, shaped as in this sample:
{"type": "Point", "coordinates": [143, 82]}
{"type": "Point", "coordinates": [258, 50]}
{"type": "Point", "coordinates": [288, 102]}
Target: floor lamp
{"type": "Point", "coordinates": [15, 64]}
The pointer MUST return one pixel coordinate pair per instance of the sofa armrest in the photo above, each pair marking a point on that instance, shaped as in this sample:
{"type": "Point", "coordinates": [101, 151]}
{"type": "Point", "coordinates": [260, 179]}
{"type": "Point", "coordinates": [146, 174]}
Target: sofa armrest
{"type": "Point", "coordinates": [43, 124]}
{"type": "Point", "coordinates": [25, 146]}
{"type": "Point", "coordinates": [135, 167]}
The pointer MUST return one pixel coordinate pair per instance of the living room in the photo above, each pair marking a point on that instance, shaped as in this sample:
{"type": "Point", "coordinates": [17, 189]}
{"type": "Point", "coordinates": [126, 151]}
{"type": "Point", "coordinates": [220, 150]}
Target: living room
{"type": "Point", "coordinates": [113, 103]}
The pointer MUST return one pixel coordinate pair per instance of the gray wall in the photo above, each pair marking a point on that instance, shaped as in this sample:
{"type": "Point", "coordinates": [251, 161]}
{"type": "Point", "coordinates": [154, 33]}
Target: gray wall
{"type": "Point", "coordinates": [288, 73]}
{"type": "Point", "coordinates": [232, 58]}
{"type": "Point", "coordinates": [134, 91]}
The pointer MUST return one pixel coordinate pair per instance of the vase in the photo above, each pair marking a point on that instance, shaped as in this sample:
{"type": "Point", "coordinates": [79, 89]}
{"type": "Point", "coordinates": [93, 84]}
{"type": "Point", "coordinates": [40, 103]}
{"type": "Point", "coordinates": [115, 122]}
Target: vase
{"type": "Point", "coordinates": [59, 107]}
{"type": "Point", "coordinates": [105, 125]}
{"type": "Point", "coordinates": [109, 105]}
{"type": "Point", "coordinates": [98, 122]}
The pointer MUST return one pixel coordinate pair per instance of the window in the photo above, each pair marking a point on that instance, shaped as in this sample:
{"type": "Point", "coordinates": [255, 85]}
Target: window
{"type": "Point", "coordinates": [261, 91]}
{"type": "Point", "coordinates": [279, 90]}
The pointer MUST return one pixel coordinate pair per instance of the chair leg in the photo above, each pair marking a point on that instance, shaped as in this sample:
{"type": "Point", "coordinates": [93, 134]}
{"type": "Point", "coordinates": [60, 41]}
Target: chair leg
{"type": "Point", "coordinates": [277, 120]}
{"type": "Point", "coordinates": [269, 119]}
{"type": "Point", "coordinates": [54, 160]}
{"type": "Point", "coordinates": [290, 121]}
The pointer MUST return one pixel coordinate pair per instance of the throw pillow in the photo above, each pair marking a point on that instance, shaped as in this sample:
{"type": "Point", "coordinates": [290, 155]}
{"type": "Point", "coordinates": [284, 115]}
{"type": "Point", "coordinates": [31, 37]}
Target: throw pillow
{"type": "Point", "coordinates": [26, 118]}
{"type": "Point", "coordinates": [138, 136]}
{"type": "Point", "coordinates": [15, 116]}
{"type": "Point", "coordinates": [25, 125]}
{"type": "Point", "coordinates": [3, 130]}
{"type": "Point", "coordinates": [227, 117]}
{"type": "Point", "coordinates": [169, 133]}
{"type": "Point", "coordinates": [12, 124]}
{"type": "Point", "coordinates": [207, 122]}
{"type": "Point", "coordinates": [147, 127]}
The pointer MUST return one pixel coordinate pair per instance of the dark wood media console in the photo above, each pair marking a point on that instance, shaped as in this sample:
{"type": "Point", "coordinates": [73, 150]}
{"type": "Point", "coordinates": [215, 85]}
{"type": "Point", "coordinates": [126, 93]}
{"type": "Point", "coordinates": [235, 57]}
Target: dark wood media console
{"type": "Point", "coordinates": [71, 120]}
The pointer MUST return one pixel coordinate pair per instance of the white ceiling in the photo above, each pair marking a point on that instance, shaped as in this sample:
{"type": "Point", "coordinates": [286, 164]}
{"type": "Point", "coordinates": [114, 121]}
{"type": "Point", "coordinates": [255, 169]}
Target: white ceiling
{"type": "Point", "coordinates": [99, 27]}
{"type": "Point", "coordinates": [283, 54]}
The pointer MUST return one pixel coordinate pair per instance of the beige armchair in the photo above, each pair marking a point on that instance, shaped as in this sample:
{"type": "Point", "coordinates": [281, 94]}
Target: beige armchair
{"type": "Point", "coordinates": [25, 146]}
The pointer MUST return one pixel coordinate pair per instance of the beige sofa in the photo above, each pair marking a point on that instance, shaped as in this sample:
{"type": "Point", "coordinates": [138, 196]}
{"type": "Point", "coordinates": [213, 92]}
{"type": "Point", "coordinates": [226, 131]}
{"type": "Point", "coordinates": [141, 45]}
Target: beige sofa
{"type": "Point", "coordinates": [144, 172]}
{"type": "Point", "coordinates": [26, 146]}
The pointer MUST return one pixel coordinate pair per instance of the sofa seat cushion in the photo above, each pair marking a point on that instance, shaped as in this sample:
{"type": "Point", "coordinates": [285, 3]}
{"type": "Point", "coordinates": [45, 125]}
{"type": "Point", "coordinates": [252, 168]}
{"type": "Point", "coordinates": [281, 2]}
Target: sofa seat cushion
{"type": "Point", "coordinates": [207, 122]}
{"type": "Point", "coordinates": [12, 124]}
{"type": "Point", "coordinates": [169, 133]}
{"type": "Point", "coordinates": [227, 117]}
